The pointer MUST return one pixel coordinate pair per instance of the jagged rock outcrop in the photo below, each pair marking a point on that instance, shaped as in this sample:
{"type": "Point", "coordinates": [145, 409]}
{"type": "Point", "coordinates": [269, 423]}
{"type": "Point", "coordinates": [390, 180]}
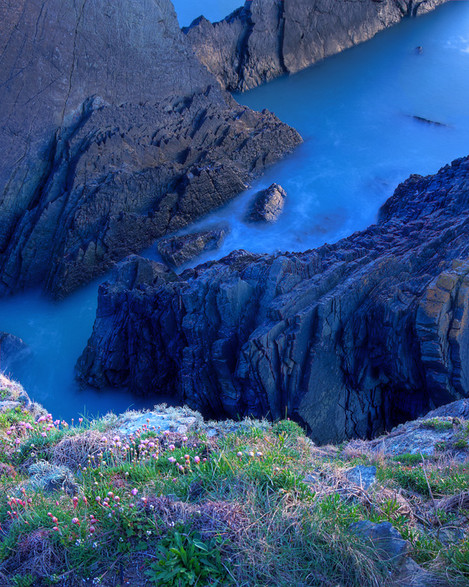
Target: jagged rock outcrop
{"type": "Point", "coordinates": [349, 338]}
{"type": "Point", "coordinates": [267, 205]}
{"type": "Point", "coordinates": [268, 38]}
{"type": "Point", "coordinates": [177, 250]}
{"type": "Point", "coordinates": [112, 134]}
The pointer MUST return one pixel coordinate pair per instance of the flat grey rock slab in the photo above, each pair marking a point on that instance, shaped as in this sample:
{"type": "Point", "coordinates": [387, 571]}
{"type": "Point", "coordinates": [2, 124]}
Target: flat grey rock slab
{"type": "Point", "coordinates": [362, 476]}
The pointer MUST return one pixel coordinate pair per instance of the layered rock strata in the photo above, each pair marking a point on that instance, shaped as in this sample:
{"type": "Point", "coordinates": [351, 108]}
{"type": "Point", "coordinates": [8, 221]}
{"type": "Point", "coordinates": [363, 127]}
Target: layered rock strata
{"type": "Point", "coordinates": [112, 134]}
{"type": "Point", "coordinates": [268, 38]}
{"type": "Point", "coordinates": [349, 339]}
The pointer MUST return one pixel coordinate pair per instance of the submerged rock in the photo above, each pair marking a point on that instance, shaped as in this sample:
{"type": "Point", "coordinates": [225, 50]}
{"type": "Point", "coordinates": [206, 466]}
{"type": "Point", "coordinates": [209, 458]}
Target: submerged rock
{"type": "Point", "coordinates": [267, 205]}
{"type": "Point", "coordinates": [112, 134]}
{"type": "Point", "coordinates": [268, 38]}
{"type": "Point", "coordinates": [349, 339]}
{"type": "Point", "coordinates": [177, 250]}
{"type": "Point", "coordinates": [12, 351]}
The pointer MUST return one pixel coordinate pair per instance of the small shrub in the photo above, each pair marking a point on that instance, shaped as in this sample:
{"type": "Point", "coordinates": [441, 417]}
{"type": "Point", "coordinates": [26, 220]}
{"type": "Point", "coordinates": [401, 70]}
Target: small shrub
{"type": "Point", "coordinates": [288, 428]}
{"type": "Point", "coordinates": [437, 424]}
{"type": "Point", "coordinates": [186, 560]}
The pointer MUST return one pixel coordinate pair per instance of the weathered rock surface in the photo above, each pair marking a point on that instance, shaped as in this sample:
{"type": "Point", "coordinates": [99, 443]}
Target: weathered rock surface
{"type": "Point", "coordinates": [387, 541]}
{"type": "Point", "coordinates": [362, 476]}
{"type": "Point", "coordinates": [350, 338]}
{"type": "Point", "coordinates": [268, 38]}
{"type": "Point", "coordinates": [267, 205]}
{"type": "Point", "coordinates": [441, 430]}
{"type": "Point", "coordinates": [13, 395]}
{"type": "Point", "coordinates": [112, 134]}
{"type": "Point", "coordinates": [177, 250]}
{"type": "Point", "coordinates": [12, 351]}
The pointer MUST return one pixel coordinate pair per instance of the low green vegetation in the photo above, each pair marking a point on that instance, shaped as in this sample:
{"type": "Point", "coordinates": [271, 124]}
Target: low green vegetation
{"type": "Point", "coordinates": [257, 505]}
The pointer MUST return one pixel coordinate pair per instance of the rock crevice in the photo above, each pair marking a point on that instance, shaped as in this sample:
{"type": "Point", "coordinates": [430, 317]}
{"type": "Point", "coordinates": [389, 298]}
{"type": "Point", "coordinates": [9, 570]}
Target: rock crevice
{"type": "Point", "coordinates": [349, 339]}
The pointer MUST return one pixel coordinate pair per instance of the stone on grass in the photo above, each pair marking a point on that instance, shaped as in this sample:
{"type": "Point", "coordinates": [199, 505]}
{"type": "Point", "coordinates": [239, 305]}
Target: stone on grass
{"type": "Point", "coordinates": [389, 544]}
{"type": "Point", "coordinates": [172, 420]}
{"type": "Point", "coordinates": [362, 476]}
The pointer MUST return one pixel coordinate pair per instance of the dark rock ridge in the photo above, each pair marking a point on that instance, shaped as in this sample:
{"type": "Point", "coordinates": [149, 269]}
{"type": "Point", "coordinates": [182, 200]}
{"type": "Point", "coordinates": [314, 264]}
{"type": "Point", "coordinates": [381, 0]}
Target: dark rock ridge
{"type": "Point", "coordinates": [268, 38]}
{"type": "Point", "coordinates": [349, 339]}
{"type": "Point", "coordinates": [177, 250]}
{"type": "Point", "coordinates": [112, 134]}
{"type": "Point", "coordinates": [267, 205]}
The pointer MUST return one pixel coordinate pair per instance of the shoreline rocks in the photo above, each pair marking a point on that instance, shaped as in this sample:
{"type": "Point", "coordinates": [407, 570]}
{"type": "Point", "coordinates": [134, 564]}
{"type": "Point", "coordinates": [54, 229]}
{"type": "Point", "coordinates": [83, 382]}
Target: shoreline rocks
{"type": "Point", "coordinates": [177, 250]}
{"type": "Point", "coordinates": [112, 135]}
{"type": "Point", "coordinates": [349, 339]}
{"type": "Point", "coordinates": [265, 39]}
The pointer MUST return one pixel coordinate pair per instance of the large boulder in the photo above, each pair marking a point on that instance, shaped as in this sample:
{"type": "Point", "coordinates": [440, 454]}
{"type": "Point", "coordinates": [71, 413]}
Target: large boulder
{"type": "Point", "coordinates": [268, 38]}
{"type": "Point", "coordinates": [112, 134]}
{"type": "Point", "coordinates": [267, 205]}
{"type": "Point", "coordinates": [350, 338]}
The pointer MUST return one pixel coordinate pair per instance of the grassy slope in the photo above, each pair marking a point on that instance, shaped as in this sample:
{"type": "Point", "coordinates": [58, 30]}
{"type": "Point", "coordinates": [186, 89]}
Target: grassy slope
{"type": "Point", "coordinates": [260, 505]}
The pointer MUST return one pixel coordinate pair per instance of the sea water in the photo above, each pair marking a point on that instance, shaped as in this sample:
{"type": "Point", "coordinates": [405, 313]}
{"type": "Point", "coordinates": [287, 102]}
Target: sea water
{"type": "Point", "coordinates": [356, 113]}
{"type": "Point", "coordinates": [213, 10]}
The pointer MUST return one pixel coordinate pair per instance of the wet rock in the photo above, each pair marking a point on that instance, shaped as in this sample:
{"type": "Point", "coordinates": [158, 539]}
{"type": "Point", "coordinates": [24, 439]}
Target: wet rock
{"type": "Point", "coordinates": [387, 541]}
{"type": "Point", "coordinates": [428, 121]}
{"type": "Point", "coordinates": [268, 38]}
{"type": "Point", "coordinates": [12, 351]}
{"type": "Point", "coordinates": [362, 476]}
{"type": "Point", "coordinates": [178, 250]}
{"type": "Point", "coordinates": [112, 135]}
{"type": "Point", "coordinates": [348, 339]}
{"type": "Point", "coordinates": [267, 205]}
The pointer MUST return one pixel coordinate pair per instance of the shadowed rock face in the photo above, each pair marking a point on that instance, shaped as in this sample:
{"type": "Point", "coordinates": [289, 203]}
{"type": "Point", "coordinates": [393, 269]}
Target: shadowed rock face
{"type": "Point", "coordinates": [177, 250]}
{"type": "Point", "coordinates": [112, 134]}
{"type": "Point", "coordinates": [268, 38]}
{"type": "Point", "coordinates": [349, 338]}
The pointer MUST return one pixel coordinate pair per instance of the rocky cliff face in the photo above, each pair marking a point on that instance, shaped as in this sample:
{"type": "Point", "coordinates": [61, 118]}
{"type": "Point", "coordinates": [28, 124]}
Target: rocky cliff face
{"type": "Point", "coordinates": [268, 38]}
{"type": "Point", "coordinates": [349, 339]}
{"type": "Point", "coordinates": [111, 134]}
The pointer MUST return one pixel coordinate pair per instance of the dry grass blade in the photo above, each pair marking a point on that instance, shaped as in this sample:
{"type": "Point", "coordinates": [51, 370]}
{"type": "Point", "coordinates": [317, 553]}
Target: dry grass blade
{"type": "Point", "coordinates": [74, 451]}
{"type": "Point", "coordinates": [454, 503]}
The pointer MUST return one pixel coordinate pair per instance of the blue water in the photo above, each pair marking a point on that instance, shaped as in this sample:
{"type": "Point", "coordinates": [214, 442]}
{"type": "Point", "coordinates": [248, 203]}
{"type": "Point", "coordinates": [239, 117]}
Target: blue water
{"type": "Point", "coordinates": [355, 113]}
{"type": "Point", "coordinates": [213, 10]}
